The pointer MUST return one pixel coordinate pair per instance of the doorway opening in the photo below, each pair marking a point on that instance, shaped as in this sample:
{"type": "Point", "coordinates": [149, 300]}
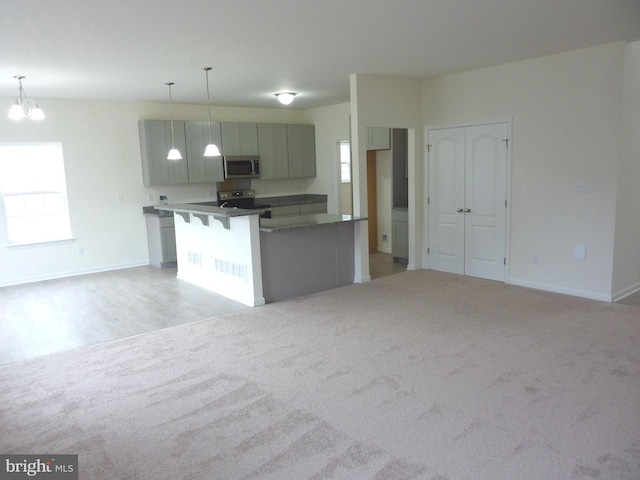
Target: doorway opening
{"type": "Point", "coordinates": [387, 200]}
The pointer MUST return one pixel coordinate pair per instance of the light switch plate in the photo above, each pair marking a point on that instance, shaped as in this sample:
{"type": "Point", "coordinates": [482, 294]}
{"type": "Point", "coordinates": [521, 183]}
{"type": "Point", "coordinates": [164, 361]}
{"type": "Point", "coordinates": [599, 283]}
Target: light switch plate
{"type": "Point", "coordinates": [580, 251]}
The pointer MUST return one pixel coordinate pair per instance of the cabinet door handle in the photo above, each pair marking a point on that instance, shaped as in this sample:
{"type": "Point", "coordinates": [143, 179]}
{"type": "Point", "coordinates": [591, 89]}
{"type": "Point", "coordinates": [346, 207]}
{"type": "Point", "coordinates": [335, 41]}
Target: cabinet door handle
{"type": "Point", "coordinates": [467, 210]}
{"type": "Point", "coordinates": [460, 210]}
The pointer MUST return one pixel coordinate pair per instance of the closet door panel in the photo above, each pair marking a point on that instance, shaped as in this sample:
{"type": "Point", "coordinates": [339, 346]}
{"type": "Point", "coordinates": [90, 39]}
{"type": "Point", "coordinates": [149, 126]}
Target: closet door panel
{"type": "Point", "coordinates": [446, 199]}
{"type": "Point", "coordinates": [485, 201]}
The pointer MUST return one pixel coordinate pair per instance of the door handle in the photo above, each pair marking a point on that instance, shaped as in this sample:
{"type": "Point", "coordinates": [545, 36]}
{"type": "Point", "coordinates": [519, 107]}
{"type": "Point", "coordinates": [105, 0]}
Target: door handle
{"type": "Point", "coordinates": [460, 210]}
{"type": "Point", "coordinates": [467, 210]}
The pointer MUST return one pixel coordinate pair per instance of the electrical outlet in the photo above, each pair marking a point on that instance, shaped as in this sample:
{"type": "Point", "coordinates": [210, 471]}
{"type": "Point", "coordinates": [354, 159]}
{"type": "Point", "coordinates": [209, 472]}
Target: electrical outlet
{"type": "Point", "coordinates": [149, 197]}
{"type": "Point", "coordinates": [385, 237]}
{"type": "Point", "coordinates": [80, 250]}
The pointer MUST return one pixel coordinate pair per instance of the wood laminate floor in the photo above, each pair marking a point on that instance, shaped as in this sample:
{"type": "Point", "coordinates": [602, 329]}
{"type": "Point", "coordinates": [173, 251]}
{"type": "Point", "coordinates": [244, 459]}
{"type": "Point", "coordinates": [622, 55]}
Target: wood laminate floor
{"type": "Point", "coordinates": [55, 315]}
{"type": "Point", "coordinates": [382, 264]}
{"type": "Point", "coordinates": [633, 299]}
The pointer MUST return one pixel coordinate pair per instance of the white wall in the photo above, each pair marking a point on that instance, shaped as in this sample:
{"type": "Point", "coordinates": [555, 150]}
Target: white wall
{"type": "Point", "coordinates": [386, 101]}
{"type": "Point", "coordinates": [102, 160]}
{"type": "Point", "coordinates": [332, 126]}
{"type": "Point", "coordinates": [626, 265]}
{"type": "Point", "coordinates": [566, 112]}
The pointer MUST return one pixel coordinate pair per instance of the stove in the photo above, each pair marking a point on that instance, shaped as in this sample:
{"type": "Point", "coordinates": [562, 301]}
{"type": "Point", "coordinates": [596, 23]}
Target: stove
{"type": "Point", "coordinates": [242, 199]}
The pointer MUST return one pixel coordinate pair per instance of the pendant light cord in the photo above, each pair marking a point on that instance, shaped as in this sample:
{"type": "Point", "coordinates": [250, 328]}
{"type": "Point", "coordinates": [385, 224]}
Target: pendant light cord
{"type": "Point", "coordinates": [173, 141]}
{"type": "Point", "coordinates": [206, 72]}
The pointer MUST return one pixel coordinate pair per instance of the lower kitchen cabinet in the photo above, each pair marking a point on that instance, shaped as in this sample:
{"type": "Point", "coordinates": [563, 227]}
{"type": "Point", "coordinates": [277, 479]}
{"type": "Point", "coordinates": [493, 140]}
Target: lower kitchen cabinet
{"type": "Point", "coordinates": [161, 239]}
{"type": "Point", "coordinates": [285, 211]}
{"type": "Point", "coordinates": [400, 234]}
{"type": "Point", "coordinates": [298, 209]}
{"type": "Point", "coordinates": [311, 208]}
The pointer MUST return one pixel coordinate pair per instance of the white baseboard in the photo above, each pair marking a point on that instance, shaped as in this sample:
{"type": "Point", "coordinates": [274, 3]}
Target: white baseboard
{"type": "Point", "coordinates": [73, 273]}
{"type": "Point", "coordinates": [565, 291]}
{"type": "Point", "coordinates": [626, 292]}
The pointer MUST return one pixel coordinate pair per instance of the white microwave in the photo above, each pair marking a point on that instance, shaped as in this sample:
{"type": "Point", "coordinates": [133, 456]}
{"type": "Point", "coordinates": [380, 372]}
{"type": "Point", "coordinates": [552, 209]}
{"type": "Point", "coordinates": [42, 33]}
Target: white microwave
{"type": "Point", "coordinates": [247, 166]}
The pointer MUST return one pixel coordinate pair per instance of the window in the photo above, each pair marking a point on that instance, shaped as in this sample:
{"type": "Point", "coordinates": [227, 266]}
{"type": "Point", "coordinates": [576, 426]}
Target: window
{"type": "Point", "coordinates": [345, 162]}
{"type": "Point", "coordinates": [33, 193]}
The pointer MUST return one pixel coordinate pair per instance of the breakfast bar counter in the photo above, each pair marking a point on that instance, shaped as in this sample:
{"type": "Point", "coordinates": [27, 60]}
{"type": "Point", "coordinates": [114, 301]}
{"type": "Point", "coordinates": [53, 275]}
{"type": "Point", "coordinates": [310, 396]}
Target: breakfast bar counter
{"type": "Point", "coordinates": [306, 254]}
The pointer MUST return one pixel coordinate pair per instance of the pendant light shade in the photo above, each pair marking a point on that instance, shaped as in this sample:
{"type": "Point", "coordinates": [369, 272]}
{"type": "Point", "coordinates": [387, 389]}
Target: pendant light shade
{"type": "Point", "coordinates": [174, 153]}
{"type": "Point", "coordinates": [24, 107]}
{"type": "Point", "coordinates": [212, 149]}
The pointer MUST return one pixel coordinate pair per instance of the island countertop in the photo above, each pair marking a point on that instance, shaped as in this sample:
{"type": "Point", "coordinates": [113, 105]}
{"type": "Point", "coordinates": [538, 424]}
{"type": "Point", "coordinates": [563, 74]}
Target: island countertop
{"type": "Point", "coordinates": [305, 221]}
{"type": "Point", "coordinates": [213, 210]}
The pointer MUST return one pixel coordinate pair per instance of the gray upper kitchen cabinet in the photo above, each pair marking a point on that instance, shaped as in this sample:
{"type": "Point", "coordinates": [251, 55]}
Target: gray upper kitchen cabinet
{"type": "Point", "coordinates": [378, 138]}
{"type": "Point", "coordinates": [301, 145]}
{"type": "Point", "coordinates": [273, 151]}
{"type": "Point", "coordinates": [239, 138]}
{"type": "Point", "coordinates": [155, 142]}
{"type": "Point", "coordinates": [203, 169]}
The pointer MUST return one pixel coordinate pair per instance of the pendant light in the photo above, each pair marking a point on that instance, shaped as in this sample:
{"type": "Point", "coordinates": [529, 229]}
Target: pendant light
{"type": "Point", "coordinates": [212, 149]}
{"type": "Point", "coordinates": [24, 107]}
{"type": "Point", "coordinates": [174, 153]}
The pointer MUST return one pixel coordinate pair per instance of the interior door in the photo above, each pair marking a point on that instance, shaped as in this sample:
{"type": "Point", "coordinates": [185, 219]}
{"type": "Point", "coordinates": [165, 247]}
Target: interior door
{"type": "Point", "coordinates": [467, 200]}
{"type": "Point", "coordinates": [485, 208]}
{"type": "Point", "coordinates": [446, 197]}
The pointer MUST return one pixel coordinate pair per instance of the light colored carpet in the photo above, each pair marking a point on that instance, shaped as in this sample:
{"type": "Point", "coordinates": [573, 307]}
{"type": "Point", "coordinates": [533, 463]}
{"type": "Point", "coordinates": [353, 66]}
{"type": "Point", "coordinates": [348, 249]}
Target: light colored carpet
{"type": "Point", "coordinates": [420, 375]}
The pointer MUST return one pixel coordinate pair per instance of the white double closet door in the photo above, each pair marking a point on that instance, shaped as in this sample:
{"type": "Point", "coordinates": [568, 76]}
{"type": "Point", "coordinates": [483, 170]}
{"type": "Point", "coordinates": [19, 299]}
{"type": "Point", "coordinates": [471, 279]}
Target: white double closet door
{"type": "Point", "coordinates": [468, 200]}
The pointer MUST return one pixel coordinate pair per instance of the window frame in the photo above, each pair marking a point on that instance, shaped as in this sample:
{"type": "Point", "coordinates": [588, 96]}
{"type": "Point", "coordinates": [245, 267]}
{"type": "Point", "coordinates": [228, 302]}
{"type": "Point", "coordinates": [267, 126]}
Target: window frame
{"type": "Point", "coordinates": [59, 233]}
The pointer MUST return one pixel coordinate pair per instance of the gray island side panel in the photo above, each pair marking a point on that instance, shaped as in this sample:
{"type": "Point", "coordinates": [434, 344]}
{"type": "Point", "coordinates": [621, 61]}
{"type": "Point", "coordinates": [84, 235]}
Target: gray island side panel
{"type": "Point", "coordinates": [301, 261]}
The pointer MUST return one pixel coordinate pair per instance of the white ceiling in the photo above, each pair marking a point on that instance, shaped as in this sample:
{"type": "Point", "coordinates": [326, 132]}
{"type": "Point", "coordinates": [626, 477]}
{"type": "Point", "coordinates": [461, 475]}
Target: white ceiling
{"type": "Point", "coordinates": [128, 49]}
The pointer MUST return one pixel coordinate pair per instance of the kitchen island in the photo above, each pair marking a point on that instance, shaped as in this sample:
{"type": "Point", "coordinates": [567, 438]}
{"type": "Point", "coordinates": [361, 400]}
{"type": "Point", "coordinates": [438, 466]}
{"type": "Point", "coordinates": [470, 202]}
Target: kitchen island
{"type": "Point", "coordinates": [219, 249]}
{"type": "Point", "coordinates": [253, 260]}
{"type": "Point", "coordinates": [306, 254]}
